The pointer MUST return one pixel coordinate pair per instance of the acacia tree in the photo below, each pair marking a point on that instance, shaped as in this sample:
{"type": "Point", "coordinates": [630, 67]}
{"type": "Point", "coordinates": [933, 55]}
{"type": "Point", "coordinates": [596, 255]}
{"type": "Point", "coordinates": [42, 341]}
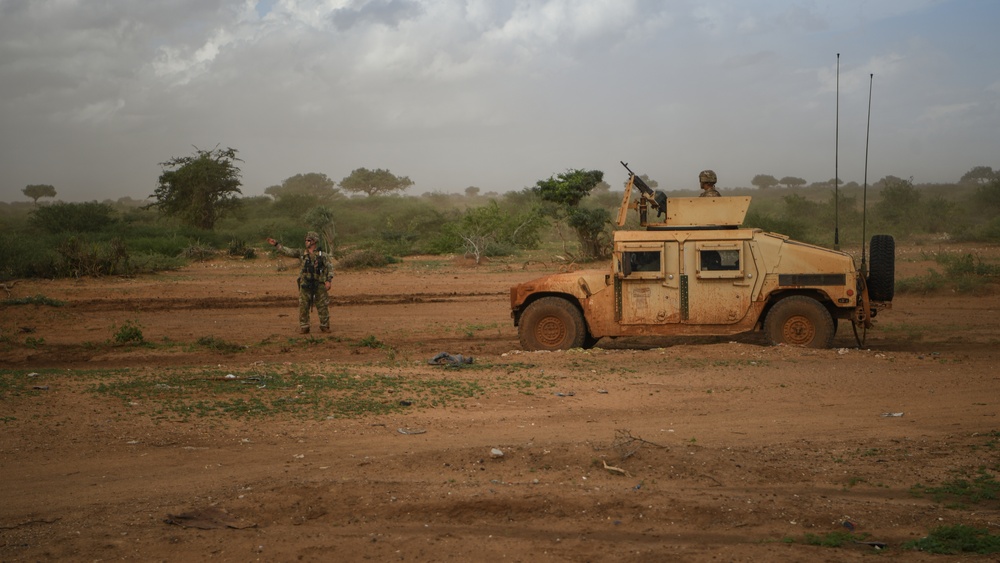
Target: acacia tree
{"type": "Point", "coordinates": [764, 181]}
{"type": "Point", "coordinates": [35, 191]}
{"type": "Point", "coordinates": [566, 191]}
{"type": "Point", "coordinates": [978, 175]}
{"type": "Point", "coordinates": [374, 182]}
{"type": "Point", "coordinates": [312, 184]}
{"type": "Point", "coordinates": [199, 189]}
{"type": "Point", "coordinates": [792, 181]}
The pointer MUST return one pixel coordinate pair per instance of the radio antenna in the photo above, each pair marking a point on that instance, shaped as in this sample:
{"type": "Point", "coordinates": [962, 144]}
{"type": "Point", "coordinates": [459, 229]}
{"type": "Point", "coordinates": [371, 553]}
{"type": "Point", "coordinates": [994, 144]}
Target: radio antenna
{"type": "Point", "coordinates": [864, 205]}
{"type": "Point", "coordinates": [836, 171]}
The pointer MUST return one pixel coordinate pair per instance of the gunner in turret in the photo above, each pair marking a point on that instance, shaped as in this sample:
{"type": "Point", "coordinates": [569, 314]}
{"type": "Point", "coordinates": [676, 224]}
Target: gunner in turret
{"type": "Point", "coordinates": [708, 180]}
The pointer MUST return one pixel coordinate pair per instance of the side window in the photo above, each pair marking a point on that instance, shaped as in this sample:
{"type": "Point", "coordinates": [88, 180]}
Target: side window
{"type": "Point", "coordinates": [642, 263]}
{"type": "Point", "coordinates": [719, 260]}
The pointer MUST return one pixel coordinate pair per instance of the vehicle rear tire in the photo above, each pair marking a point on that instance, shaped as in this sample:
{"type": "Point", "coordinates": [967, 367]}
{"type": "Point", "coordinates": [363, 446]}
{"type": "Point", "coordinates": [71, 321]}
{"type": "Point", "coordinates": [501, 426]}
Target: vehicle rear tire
{"type": "Point", "coordinates": [552, 323]}
{"type": "Point", "coordinates": [799, 321]}
{"type": "Point", "coordinates": [882, 271]}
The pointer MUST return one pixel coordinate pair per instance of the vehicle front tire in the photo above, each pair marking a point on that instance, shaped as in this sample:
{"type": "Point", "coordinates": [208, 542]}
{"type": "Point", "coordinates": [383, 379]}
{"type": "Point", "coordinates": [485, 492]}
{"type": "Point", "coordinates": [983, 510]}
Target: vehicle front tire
{"type": "Point", "coordinates": [552, 323]}
{"type": "Point", "coordinates": [799, 321]}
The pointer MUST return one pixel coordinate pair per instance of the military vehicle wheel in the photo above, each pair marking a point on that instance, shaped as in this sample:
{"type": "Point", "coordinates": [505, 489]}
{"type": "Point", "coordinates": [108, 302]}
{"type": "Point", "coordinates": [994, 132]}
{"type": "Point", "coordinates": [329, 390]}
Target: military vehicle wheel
{"type": "Point", "coordinates": [882, 271]}
{"type": "Point", "coordinates": [799, 321]}
{"type": "Point", "coordinates": [551, 323]}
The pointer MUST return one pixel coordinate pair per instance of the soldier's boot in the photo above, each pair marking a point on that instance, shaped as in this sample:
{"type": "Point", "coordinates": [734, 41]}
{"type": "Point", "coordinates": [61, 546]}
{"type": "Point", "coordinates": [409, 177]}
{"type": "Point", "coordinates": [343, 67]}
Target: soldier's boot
{"type": "Point", "coordinates": [324, 328]}
{"type": "Point", "coordinates": [303, 330]}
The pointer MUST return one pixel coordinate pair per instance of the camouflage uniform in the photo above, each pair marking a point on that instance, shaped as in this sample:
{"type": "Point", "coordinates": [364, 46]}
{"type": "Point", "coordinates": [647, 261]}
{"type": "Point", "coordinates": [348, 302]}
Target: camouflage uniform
{"type": "Point", "coordinates": [316, 271]}
{"type": "Point", "coordinates": [708, 177]}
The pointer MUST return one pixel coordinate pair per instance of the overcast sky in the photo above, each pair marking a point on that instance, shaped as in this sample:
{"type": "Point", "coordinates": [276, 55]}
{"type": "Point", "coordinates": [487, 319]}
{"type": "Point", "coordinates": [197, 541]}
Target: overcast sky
{"type": "Point", "coordinates": [494, 93]}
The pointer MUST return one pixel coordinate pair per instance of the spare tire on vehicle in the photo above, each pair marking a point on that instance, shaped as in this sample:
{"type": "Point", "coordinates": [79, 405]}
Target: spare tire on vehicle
{"type": "Point", "coordinates": [882, 270]}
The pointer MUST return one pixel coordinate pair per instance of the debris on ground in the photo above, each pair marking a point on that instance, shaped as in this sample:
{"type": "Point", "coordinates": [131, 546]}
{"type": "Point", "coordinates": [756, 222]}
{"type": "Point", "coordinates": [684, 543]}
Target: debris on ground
{"type": "Point", "coordinates": [446, 359]}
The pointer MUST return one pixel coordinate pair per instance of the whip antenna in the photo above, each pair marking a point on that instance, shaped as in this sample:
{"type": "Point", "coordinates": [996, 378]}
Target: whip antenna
{"type": "Point", "coordinates": [836, 162]}
{"type": "Point", "coordinates": [864, 216]}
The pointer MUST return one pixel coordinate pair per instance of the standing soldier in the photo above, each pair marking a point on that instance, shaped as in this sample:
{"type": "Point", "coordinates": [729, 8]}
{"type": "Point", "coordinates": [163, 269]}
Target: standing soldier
{"type": "Point", "coordinates": [314, 281]}
{"type": "Point", "coordinates": [708, 180]}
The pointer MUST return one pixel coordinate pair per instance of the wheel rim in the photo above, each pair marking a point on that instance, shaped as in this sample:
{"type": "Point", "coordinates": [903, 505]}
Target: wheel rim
{"type": "Point", "coordinates": [550, 331]}
{"type": "Point", "coordinates": [798, 331]}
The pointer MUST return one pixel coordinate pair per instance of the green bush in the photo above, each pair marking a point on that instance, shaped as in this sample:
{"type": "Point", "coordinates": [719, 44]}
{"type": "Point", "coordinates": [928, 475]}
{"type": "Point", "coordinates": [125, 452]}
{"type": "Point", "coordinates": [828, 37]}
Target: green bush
{"type": "Point", "coordinates": [80, 257]}
{"type": "Point", "coordinates": [89, 217]}
{"type": "Point", "coordinates": [365, 259]}
{"type": "Point", "coordinates": [950, 540]}
{"type": "Point", "coordinates": [790, 227]}
{"type": "Point", "coordinates": [129, 333]}
{"type": "Point", "coordinates": [148, 263]}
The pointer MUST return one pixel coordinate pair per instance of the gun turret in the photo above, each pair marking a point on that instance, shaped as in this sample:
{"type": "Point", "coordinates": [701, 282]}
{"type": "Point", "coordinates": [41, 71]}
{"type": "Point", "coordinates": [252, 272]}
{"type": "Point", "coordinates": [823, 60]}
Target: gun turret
{"type": "Point", "coordinates": [647, 196]}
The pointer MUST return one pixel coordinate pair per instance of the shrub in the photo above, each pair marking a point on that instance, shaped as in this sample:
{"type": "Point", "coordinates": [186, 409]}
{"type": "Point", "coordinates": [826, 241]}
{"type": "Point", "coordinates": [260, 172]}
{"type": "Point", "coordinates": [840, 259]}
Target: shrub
{"type": "Point", "coordinates": [129, 333]}
{"type": "Point", "coordinates": [364, 259]}
{"type": "Point", "coordinates": [239, 248]}
{"type": "Point", "coordinates": [83, 258]}
{"type": "Point", "coordinates": [959, 538]}
{"type": "Point", "coordinates": [89, 217]}
{"type": "Point", "coordinates": [198, 251]}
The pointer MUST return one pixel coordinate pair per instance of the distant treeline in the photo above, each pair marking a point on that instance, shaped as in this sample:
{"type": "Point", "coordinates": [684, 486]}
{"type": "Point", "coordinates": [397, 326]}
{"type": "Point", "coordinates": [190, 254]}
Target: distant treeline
{"type": "Point", "coordinates": [124, 237]}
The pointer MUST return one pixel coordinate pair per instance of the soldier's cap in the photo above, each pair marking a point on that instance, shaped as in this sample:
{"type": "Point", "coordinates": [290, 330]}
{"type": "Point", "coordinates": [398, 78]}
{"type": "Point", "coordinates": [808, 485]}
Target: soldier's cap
{"type": "Point", "coordinates": [312, 235]}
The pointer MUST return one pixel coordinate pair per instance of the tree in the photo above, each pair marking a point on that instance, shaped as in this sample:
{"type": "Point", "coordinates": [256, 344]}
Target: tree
{"type": "Point", "coordinates": [888, 181]}
{"type": "Point", "coordinates": [988, 197]}
{"type": "Point", "coordinates": [374, 182]}
{"type": "Point", "coordinates": [899, 203]}
{"type": "Point", "coordinates": [471, 191]}
{"type": "Point", "coordinates": [312, 184]}
{"type": "Point", "coordinates": [35, 191]}
{"type": "Point", "coordinates": [569, 187]}
{"type": "Point", "coordinates": [566, 191]}
{"type": "Point", "coordinates": [491, 230]}
{"type": "Point", "coordinates": [978, 175]}
{"type": "Point", "coordinates": [792, 181]}
{"type": "Point", "coordinates": [199, 189]}
{"type": "Point", "coordinates": [764, 181]}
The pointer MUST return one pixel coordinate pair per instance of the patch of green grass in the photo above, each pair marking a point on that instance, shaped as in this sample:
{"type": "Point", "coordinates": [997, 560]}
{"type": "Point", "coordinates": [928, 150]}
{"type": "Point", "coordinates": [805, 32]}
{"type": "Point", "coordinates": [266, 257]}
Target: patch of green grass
{"type": "Point", "coordinates": [32, 342]}
{"type": "Point", "coordinates": [184, 393]}
{"type": "Point", "coordinates": [965, 274]}
{"type": "Point", "coordinates": [370, 341]}
{"type": "Point", "coordinates": [830, 539]}
{"type": "Point", "coordinates": [978, 489]}
{"type": "Point", "coordinates": [950, 540]}
{"type": "Point", "coordinates": [219, 345]}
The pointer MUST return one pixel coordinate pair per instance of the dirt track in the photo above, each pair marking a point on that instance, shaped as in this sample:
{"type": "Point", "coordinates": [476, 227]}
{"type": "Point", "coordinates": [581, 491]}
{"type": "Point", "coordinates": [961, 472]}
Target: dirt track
{"type": "Point", "coordinates": [719, 448]}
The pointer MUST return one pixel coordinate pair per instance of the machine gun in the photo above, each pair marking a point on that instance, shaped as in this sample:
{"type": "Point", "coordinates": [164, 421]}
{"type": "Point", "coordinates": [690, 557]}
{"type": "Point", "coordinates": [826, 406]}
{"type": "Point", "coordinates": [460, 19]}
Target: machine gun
{"type": "Point", "coordinates": [646, 197]}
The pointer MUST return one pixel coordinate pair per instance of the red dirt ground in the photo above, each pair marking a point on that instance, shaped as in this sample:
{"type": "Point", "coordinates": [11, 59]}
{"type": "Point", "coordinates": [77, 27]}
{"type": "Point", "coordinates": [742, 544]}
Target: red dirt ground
{"type": "Point", "coordinates": [743, 449]}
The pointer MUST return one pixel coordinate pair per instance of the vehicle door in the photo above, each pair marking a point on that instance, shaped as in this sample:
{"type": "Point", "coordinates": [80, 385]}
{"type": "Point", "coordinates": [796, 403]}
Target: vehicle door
{"type": "Point", "coordinates": [647, 288]}
{"type": "Point", "coordinates": [721, 289]}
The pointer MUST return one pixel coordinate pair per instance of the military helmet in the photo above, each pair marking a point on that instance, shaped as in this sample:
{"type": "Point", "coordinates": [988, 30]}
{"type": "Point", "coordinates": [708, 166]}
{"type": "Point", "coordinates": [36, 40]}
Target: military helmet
{"type": "Point", "coordinates": [707, 177]}
{"type": "Point", "coordinates": [312, 235]}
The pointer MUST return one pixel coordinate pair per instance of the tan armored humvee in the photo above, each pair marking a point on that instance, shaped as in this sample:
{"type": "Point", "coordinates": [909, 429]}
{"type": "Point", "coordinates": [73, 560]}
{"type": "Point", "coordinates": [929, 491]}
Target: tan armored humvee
{"type": "Point", "coordinates": [700, 273]}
